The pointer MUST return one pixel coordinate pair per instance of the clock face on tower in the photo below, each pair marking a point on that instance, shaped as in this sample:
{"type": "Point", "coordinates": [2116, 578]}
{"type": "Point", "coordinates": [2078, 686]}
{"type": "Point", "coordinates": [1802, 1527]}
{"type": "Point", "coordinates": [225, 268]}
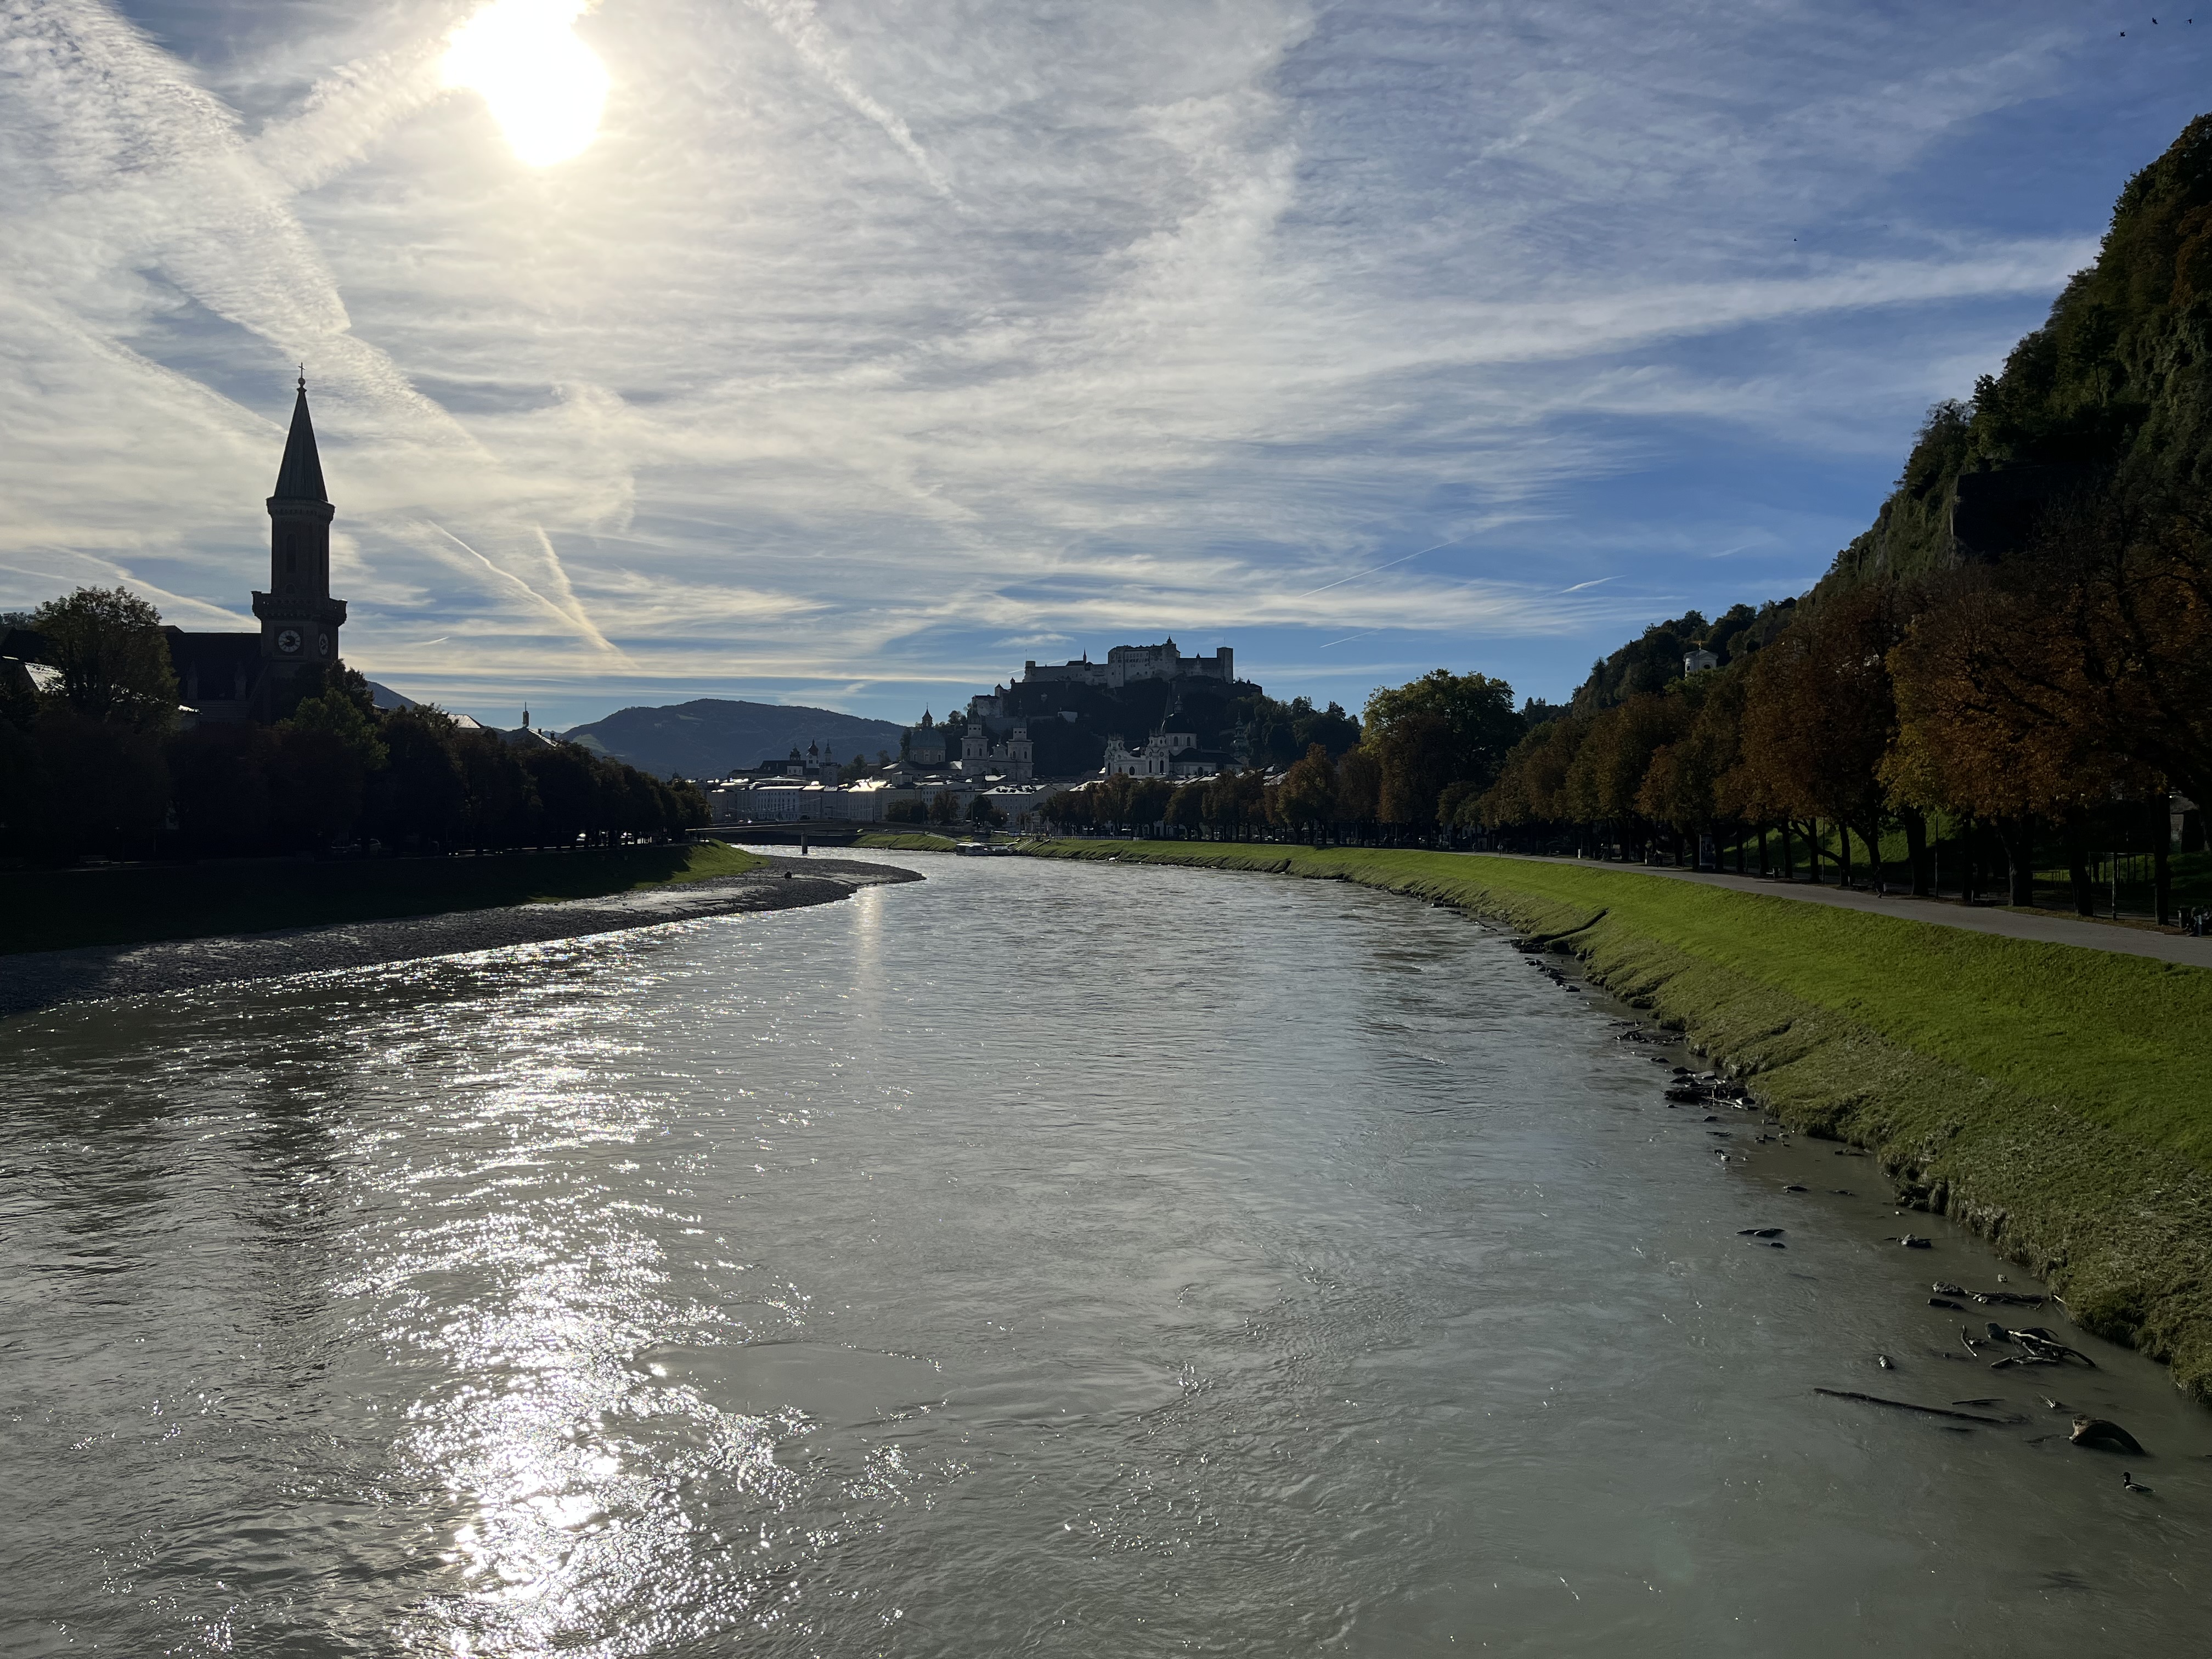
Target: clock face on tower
{"type": "Point", "coordinates": [324, 644]}
{"type": "Point", "coordinates": [288, 642]}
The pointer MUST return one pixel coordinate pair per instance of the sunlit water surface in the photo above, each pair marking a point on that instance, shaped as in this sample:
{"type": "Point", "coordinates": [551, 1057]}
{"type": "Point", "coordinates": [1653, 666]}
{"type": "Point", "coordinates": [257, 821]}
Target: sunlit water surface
{"type": "Point", "coordinates": [1038, 1259]}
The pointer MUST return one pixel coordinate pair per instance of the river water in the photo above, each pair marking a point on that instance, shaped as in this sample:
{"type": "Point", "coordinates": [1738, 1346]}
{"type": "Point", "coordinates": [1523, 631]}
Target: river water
{"type": "Point", "coordinates": [1039, 1259]}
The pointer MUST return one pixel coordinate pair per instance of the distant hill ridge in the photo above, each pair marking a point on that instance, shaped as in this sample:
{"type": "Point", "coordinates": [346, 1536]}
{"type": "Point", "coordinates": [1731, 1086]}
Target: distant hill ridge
{"type": "Point", "coordinates": [714, 736]}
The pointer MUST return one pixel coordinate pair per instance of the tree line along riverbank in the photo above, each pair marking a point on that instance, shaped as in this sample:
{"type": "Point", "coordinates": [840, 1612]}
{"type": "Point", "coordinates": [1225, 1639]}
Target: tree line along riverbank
{"type": "Point", "coordinates": [2004, 679]}
{"type": "Point", "coordinates": [2054, 1099]}
{"type": "Point", "coordinates": [136, 905]}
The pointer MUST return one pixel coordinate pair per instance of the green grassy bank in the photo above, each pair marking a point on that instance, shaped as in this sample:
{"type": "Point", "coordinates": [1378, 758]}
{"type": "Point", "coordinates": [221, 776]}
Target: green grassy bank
{"type": "Point", "coordinates": [137, 904]}
{"type": "Point", "coordinates": [906, 842]}
{"type": "Point", "coordinates": [2058, 1100]}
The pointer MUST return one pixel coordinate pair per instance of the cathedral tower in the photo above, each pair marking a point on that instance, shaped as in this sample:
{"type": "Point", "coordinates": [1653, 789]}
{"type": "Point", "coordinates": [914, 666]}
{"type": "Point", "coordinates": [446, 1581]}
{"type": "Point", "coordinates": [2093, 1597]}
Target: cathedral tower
{"type": "Point", "coordinates": [300, 620]}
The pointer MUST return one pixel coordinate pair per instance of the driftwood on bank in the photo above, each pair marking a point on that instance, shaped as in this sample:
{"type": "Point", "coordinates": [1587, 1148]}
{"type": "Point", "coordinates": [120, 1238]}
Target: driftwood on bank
{"type": "Point", "coordinates": [1925, 1410]}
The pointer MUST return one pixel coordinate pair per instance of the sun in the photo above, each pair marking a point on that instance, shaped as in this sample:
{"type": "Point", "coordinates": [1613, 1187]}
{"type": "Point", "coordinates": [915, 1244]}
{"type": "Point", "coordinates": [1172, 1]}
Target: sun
{"type": "Point", "coordinates": [543, 85]}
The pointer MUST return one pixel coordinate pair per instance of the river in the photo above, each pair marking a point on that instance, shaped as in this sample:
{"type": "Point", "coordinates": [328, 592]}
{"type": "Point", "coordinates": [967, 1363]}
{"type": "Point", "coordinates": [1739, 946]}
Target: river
{"type": "Point", "coordinates": [1041, 1258]}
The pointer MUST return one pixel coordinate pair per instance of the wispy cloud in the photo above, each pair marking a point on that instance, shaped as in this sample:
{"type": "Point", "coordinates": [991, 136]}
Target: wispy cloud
{"type": "Point", "coordinates": [871, 344]}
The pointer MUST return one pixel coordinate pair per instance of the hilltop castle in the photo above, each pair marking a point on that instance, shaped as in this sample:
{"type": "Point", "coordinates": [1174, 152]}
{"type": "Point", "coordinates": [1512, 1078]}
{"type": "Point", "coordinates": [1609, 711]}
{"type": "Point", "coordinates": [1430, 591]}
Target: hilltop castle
{"type": "Point", "coordinates": [244, 677]}
{"type": "Point", "coordinates": [1127, 664]}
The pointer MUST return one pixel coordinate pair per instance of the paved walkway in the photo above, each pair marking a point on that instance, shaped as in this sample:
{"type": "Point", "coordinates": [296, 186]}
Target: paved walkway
{"type": "Point", "coordinates": [2011, 924]}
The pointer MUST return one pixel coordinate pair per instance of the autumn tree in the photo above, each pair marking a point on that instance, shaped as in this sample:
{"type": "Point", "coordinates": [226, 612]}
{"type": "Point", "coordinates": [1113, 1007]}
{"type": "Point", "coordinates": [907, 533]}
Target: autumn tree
{"type": "Point", "coordinates": [1983, 731]}
{"type": "Point", "coordinates": [1603, 784]}
{"type": "Point", "coordinates": [1820, 715]}
{"type": "Point", "coordinates": [1359, 787]}
{"type": "Point", "coordinates": [1531, 786]}
{"type": "Point", "coordinates": [1307, 797]}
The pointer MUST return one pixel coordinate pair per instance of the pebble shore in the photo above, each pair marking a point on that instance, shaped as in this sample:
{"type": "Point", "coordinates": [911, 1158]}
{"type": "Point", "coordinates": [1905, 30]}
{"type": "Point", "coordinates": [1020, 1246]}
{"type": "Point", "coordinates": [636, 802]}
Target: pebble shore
{"type": "Point", "coordinates": [45, 978]}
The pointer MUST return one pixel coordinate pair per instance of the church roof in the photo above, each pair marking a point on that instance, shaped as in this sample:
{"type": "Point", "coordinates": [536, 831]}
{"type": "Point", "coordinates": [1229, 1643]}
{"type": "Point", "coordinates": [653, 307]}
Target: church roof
{"type": "Point", "coordinates": [301, 477]}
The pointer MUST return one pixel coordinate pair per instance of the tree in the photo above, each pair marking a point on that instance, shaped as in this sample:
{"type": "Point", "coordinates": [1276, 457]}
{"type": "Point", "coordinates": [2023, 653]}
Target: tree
{"type": "Point", "coordinates": [2110, 630]}
{"type": "Point", "coordinates": [420, 795]}
{"type": "Point", "coordinates": [113, 658]}
{"type": "Point", "coordinates": [26, 800]}
{"type": "Point", "coordinates": [1682, 786]}
{"type": "Point", "coordinates": [343, 720]}
{"type": "Point", "coordinates": [1359, 788]}
{"type": "Point", "coordinates": [1414, 752]}
{"type": "Point", "coordinates": [1148, 801]}
{"type": "Point", "coordinates": [109, 784]}
{"type": "Point", "coordinates": [688, 806]}
{"type": "Point", "coordinates": [1278, 733]}
{"type": "Point", "coordinates": [1109, 799]}
{"type": "Point", "coordinates": [316, 789]}
{"type": "Point", "coordinates": [1531, 786]}
{"type": "Point", "coordinates": [985, 813]}
{"type": "Point", "coordinates": [1605, 780]}
{"type": "Point", "coordinates": [220, 777]}
{"type": "Point", "coordinates": [499, 802]}
{"type": "Point", "coordinates": [1821, 714]}
{"type": "Point", "coordinates": [1982, 729]}
{"type": "Point", "coordinates": [944, 808]}
{"type": "Point", "coordinates": [1186, 808]}
{"type": "Point", "coordinates": [1307, 798]}
{"type": "Point", "coordinates": [566, 780]}
{"type": "Point", "coordinates": [1236, 800]}
{"type": "Point", "coordinates": [1438, 730]}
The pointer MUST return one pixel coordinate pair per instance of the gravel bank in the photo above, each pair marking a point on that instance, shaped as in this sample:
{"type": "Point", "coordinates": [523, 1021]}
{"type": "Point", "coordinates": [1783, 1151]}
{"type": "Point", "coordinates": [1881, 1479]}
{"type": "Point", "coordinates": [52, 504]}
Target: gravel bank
{"type": "Point", "coordinates": [43, 979]}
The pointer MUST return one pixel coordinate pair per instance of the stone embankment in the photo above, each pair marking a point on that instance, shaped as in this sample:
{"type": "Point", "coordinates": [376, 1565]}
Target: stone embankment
{"type": "Point", "coordinates": [44, 979]}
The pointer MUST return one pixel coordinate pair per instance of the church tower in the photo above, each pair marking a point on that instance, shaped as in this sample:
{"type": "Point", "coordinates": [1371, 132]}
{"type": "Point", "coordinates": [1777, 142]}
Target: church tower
{"type": "Point", "coordinates": [300, 620]}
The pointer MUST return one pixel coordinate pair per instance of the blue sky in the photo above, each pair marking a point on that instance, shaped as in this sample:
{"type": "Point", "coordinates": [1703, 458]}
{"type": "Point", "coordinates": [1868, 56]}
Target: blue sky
{"type": "Point", "coordinates": [868, 349]}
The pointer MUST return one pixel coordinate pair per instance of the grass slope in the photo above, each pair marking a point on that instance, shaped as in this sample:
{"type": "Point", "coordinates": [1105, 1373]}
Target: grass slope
{"type": "Point", "coordinates": [915, 841]}
{"type": "Point", "coordinates": [54, 910]}
{"type": "Point", "coordinates": [2058, 1099]}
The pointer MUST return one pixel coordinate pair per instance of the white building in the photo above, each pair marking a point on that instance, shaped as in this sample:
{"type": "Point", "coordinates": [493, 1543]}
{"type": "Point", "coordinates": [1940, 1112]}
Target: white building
{"type": "Point", "coordinates": [1166, 755]}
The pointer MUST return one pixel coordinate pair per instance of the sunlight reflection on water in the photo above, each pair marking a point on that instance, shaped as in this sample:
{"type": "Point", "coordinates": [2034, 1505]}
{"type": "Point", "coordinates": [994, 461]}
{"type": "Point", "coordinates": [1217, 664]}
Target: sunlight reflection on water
{"type": "Point", "coordinates": [1041, 1260]}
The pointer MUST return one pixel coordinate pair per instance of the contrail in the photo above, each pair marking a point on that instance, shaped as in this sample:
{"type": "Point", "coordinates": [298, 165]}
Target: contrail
{"type": "Point", "coordinates": [122, 576]}
{"type": "Point", "coordinates": [575, 620]}
{"type": "Point", "coordinates": [1600, 582]}
{"type": "Point", "coordinates": [1348, 638]}
{"type": "Point", "coordinates": [802, 31]}
{"type": "Point", "coordinates": [1356, 575]}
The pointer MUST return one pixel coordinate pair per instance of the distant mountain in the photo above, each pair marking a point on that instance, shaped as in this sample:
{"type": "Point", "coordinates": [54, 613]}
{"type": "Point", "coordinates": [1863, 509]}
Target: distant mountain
{"type": "Point", "coordinates": [712, 736]}
{"type": "Point", "coordinates": [384, 697]}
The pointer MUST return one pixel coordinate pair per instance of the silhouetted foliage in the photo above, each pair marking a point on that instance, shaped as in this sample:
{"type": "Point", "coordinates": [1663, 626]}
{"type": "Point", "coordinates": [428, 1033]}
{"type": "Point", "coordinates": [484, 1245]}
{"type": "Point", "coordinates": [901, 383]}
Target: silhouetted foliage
{"type": "Point", "coordinates": [100, 764]}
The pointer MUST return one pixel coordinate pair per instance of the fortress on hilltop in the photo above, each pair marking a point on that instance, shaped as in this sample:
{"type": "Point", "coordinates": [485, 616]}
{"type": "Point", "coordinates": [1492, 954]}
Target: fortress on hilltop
{"type": "Point", "coordinates": [1126, 665]}
{"type": "Point", "coordinates": [244, 677]}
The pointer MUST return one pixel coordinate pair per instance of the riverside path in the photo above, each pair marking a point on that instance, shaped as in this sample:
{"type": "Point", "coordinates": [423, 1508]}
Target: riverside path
{"type": "Point", "coordinates": [2089, 934]}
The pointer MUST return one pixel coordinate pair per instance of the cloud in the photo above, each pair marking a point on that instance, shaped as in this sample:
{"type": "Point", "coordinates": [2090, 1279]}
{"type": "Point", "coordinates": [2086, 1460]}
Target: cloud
{"type": "Point", "coordinates": [870, 344]}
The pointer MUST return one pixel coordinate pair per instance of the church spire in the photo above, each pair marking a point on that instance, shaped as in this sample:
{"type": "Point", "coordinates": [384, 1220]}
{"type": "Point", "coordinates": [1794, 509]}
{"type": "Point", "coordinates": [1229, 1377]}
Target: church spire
{"type": "Point", "coordinates": [301, 477]}
{"type": "Point", "coordinates": [300, 620]}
